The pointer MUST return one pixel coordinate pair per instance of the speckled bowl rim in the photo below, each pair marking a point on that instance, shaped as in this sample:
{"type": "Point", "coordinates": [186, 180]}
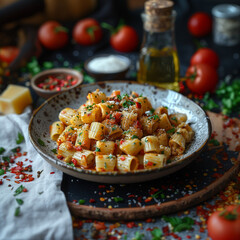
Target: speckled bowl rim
{"type": "Point", "coordinates": [73, 170]}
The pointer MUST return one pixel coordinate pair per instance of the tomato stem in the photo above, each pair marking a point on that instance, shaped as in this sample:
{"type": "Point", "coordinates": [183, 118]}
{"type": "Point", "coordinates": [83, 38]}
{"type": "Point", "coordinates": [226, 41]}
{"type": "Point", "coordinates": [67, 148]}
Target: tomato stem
{"type": "Point", "coordinates": [60, 29]}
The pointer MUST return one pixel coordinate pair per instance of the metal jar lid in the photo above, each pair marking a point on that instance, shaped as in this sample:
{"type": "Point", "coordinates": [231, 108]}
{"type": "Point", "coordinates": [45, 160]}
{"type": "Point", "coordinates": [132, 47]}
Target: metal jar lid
{"type": "Point", "coordinates": [226, 11]}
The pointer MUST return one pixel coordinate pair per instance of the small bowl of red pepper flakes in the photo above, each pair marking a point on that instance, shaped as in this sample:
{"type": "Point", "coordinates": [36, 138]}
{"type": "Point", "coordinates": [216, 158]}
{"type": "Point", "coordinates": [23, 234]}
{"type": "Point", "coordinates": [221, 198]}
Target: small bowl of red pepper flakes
{"type": "Point", "coordinates": [50, 82]}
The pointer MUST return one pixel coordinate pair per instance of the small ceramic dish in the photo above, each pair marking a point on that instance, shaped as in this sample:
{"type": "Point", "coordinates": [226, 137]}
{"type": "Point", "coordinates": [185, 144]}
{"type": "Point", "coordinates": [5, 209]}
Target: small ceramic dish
{"type": "Point", "coordinates": [48, 112]}
{"type": "Point", "coordinates": [73, 77]}
{"type": "Point", "coordinates": [107, 66]}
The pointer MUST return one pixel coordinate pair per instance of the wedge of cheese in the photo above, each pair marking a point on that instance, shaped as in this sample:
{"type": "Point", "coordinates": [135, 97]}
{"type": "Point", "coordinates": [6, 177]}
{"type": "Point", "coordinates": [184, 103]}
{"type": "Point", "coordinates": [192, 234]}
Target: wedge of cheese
{"type": "Point", "coordinates": [15, 99]}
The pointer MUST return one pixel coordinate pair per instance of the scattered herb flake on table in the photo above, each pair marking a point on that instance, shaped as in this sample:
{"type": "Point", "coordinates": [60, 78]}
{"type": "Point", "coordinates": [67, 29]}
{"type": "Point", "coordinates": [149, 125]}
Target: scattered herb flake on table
{"type": "Point", "coordinates": [19, 201]}
{"type": "Point", "coordinates": [2, 150]}
{"type": "Point", "coordinates": [20, 138]}
{"type": "Point", "coordinates": [19, 190]}
{"type": "Point", "coordinates": [41, 142]}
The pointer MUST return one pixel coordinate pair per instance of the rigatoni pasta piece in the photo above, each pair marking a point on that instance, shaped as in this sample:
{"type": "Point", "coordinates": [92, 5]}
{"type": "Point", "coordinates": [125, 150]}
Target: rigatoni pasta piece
{"type": "Point", "coordinates": [165, 150]}
{"type": "Point", "coordinates": [91, 113]}
{"type": "Point", "coordinates": [142, 105]}
{"type": "Point", "coordinates": [154, 160]}
{"type": "Point", "coordinates": [56, 129]}
{"type": "Point", "coordinates": [164, 122]}
{"type": "Point", "coordinates": [133, 132]}
{"type": "Point", "coordinates": [66, 115]}
{"type": "Point", "coordinates": [127, 163]}
{"type": "Point", "coordinates": [76, 120]}
{"type": "Point", "coordinates": [150, 144]}
{"type": "Point", "coordinates": [128, 119]}
{"type": "Point", "coordinates": [131, 147]}
{"type": "Point", "coordinates": [186, 131]}
{"type": "Point", "coordinates": [105, 147]}
{"type": "Point", "coordinates": [66, 150]}
{"type": "Point", "coordinates": [177, 118]}
{"type": "Point", "coordinates": [149, 124]}
{"type": "Point", "coordinates": [97, 131]}
{"type": "Point", "coordinates": [69, 134]}
{"type": "Point", "coordinates": [177, 144]}
{"type": "Point", "coordinates": [105, 163]}
{"type": "Point", "coordinates": [162, 137]}
{"type": "Point", "coordinates": [161, 110]}
{"type": "Point", "coordinates": [82, 138]}
{"type": "Point", "coordinates": [96, 97]}
{"type": "Point", "coordinates": [85, 158]}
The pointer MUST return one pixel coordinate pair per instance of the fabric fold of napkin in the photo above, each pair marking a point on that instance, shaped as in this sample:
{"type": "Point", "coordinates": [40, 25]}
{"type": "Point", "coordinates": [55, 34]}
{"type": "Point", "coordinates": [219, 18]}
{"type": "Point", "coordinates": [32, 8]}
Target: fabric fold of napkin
{"type": "Point", "coordinates": [43, 213]}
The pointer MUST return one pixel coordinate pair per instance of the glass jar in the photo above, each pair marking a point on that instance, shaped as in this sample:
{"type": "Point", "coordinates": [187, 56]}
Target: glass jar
{"type": "Point", "coordinates": [226, 30]}
{"type": "Point", "coordinates": [158, 60]}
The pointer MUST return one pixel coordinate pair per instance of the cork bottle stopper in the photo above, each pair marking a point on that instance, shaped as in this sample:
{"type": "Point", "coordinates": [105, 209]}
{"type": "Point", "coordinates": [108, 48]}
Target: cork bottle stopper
{"type": "Point", "coordinates": [158, 15]}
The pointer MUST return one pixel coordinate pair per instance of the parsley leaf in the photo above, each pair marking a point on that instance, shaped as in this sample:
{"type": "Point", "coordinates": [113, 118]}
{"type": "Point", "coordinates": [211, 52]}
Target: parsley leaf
{"type": "Point", "coordinates": [180, 224]}
{"type": "Point", "coordinates": [54, 150]}
{"type": "Point", "coordinates": [2, 172]}
{"type": "Point", "coordinates": [2, 150]}
{"type": "Point", "coordinates": [172, 130]}
{"type": "Point", "coordinates": [20, 138]}
{"type": "Point", "coordinates": [17, 212]}
{"type": "Point", "coordinates": [157, 234]}
{"type": "Point", "coordinates": [19, 201]}
{"type": "Point", "coordinates": [41, 142]}
{"type": "Point", "coordinates": [138, 236]}
{"type": "Point", "coordinates": [19, 190]}
{"type": "Point", "coordinates": [118, 199]}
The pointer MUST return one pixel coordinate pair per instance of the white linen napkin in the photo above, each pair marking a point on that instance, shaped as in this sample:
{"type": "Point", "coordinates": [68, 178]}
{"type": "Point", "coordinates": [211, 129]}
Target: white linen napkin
{"type": "Point", "coordinates": [44, 213]}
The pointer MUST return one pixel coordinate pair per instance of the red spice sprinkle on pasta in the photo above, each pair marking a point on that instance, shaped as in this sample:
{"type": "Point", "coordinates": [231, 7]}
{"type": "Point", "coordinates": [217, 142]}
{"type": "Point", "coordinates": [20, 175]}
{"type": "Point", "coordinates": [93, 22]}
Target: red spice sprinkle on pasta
{"type": "Point", "coordinates": [52, 172]}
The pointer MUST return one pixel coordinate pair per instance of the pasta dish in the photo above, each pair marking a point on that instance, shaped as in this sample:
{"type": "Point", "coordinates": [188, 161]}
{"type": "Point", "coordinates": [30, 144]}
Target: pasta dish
{"type": "Point", "coordinates": [119, 132]}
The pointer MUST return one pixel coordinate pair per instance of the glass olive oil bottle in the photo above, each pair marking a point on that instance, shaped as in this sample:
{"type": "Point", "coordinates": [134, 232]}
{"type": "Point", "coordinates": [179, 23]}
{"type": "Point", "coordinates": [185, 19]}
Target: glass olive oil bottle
{"type": "Point", "coordinates": [158, 61]}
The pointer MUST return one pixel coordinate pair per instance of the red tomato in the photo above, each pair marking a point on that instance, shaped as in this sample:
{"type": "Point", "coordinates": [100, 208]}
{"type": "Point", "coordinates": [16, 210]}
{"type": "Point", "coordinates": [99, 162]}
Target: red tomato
{"type": "Point", "coordinates": [225, 225]}
{"type": "Point", "coordinates": [205, 55]}
{"type": "Point", "coordinates": [201, 78]}
{"type": "Point", "coordinates": [87, 32]}
{"type": "Point", "coordinates": [125, 39]}
{"type": "Point", "coordinates": [200, 24]}
{"type": "Point", "coordinates": [52, 35]}
{"type": "Point", "coordinates": [8, 54]}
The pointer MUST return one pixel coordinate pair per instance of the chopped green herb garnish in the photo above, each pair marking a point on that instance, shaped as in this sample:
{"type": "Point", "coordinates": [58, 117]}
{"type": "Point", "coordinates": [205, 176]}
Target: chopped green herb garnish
{"type": "Point", "coordinates": [20, 138]}
{"type": "Point", "coordinates": [156, 234]}
{"type": "Point", "coordinates": [105, 165]}
{"type": "Point", "coordinates": [6, 158]}
{"type": "Point", "coordinates": [126, 132]}
{"type": "Point", "coordinates": [2, 172]}
{"type": "Point", "coordinates": [127, 104]}
{"type": "Point", "coordinates": [17, 212]}
{"type": "Point", "coordinates": [172, 130]}
{"type": "Point", "coordinates": [134, 136]}
{"type": "Point", "coordinates": [2, 150]}
{"type": "Point", "coordinates": [155, 117]}
{"type": "Point", "coordinates": [16, 149]}
{"type": "Point", "coordinates": [138, 236]}
{"type": "Point", "coordinates": [118, 199]}
{"type": "Point", "coordinates": [41, 142]}
{"type": "Point", "coordinates": [103, 101]}
{"type": "Point", "coordinates": [71, 164]}
{"type": "Point", "coordinates": [214, 142]}
{"type": "Point", "coordinates": [180, 224]}
{"type": "Point", "coordinates": [19, 190]}
{"type": "Point", "coordinates": [110, 106]}
{"type": "Point", "coordinates": [19, 201]}
{"type": "Point", "coordinates": [81, 201]}
{"type": "Point", "coordinates": [174, 119]}
{"type": "Point", "coordinates": [119, 97]}
{"type": "Point", "coordinates": [113, 128]}
{"type": "Point", "coordinates": [54, 150]}
{"type": "Point", "coordinates": [97, 149]}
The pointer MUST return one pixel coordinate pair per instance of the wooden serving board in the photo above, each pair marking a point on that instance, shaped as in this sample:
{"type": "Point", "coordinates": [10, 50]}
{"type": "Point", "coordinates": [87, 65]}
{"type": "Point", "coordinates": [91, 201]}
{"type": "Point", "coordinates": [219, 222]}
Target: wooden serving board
{"type": "Point", "coordinates": [202, 179]}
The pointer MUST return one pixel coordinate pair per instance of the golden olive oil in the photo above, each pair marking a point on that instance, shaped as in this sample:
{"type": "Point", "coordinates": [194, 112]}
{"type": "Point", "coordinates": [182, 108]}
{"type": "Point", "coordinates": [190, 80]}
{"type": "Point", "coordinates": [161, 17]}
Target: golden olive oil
{"type": "Point", "coordinates": [159, 67]}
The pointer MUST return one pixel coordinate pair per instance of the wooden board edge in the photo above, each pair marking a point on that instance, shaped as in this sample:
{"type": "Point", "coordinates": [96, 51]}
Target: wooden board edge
{"type": "Point", "coordinates": [129, 214]}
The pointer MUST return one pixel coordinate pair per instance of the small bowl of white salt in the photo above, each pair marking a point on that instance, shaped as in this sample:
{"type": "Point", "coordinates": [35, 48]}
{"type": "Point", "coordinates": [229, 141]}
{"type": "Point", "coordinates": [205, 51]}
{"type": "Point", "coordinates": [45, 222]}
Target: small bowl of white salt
{"type": "Point", "coordinates": [107, 67]}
